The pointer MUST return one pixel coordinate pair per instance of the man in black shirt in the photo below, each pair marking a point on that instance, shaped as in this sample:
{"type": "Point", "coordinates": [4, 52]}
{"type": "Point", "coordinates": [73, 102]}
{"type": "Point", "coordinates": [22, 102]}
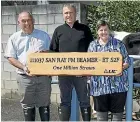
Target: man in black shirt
{"type": "Point", "coordinates": [72, 37]}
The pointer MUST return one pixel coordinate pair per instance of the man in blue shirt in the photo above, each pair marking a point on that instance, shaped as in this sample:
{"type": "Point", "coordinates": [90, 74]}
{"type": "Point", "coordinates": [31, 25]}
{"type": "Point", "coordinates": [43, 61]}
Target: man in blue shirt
{"type": "Point", "coordinates": [36, 90]}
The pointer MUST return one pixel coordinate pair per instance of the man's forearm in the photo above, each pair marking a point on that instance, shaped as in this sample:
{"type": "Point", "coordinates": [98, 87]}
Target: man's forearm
{"type": "Point", "coordinates": [16, 63]}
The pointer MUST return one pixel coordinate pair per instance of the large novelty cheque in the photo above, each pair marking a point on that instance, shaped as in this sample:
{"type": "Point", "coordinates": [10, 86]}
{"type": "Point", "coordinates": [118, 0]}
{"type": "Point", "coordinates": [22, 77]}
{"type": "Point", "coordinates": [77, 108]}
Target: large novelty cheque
{"type": "Point", "coordinates": [75, 63]}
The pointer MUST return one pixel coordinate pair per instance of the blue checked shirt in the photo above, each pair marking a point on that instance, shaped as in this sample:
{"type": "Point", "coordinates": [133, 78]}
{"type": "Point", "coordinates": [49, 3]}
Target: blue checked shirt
{"type": "Point", "coordinates": [101, 85]}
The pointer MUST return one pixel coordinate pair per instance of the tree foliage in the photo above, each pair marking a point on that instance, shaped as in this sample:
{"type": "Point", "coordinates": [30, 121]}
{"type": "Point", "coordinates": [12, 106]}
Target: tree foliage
{"type": "Point", "coordinates": [121, 15]}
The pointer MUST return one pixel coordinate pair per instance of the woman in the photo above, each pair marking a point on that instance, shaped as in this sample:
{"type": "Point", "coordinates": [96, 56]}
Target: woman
{"type": "Point", "coordinates": [109, 92]}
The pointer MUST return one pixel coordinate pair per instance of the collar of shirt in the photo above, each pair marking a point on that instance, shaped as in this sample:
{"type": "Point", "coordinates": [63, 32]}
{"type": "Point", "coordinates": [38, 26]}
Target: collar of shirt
{"type": "Point", "coordinates": [74, 25]}
{"type": "Point", "coordinates": [108, 43]}
{"type": "Point", "coordinates": [25, 34]}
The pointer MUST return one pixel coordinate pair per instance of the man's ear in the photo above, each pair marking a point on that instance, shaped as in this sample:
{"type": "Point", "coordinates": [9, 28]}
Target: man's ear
{"type": "Point", "coordinates": [33, 21]}
{"type": "Point", "coordinates": [18, 22]}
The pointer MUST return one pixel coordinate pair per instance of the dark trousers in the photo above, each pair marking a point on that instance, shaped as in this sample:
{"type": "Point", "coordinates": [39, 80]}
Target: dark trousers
{"type": "Point", "coordinates": [114, 102]}
{"type": "Point", "coordinates": [66, 84]}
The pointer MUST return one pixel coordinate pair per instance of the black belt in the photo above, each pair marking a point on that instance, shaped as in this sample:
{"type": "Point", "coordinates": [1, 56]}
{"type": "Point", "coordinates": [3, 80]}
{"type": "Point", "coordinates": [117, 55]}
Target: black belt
{"type": "Point", "coordinates": [31, 76]}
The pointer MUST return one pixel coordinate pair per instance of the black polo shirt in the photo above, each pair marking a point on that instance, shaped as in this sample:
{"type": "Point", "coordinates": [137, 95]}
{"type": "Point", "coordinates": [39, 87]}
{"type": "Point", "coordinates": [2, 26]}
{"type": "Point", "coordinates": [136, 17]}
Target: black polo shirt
{"type": "Point", "coordinates": [67, 39]}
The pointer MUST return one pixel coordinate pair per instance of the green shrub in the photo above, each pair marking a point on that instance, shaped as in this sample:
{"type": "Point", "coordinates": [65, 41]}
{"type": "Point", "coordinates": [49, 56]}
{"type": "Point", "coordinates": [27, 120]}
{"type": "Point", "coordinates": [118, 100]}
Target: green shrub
{"type": "Point", "coordinates": [121, 15]}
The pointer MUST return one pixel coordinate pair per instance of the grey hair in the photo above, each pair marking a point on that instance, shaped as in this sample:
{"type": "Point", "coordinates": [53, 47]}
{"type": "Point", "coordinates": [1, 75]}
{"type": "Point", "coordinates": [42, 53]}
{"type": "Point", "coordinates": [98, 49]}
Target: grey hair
{"type": "Point", "coordinates": [70, 6]}
{"type": "Point", "coordinates": [27, 13]}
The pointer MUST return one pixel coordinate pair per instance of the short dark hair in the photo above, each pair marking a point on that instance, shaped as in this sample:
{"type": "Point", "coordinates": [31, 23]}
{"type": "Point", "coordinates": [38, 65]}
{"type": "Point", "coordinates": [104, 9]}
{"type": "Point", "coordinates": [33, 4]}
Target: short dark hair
{"type": "Point", "coordinates": [101, 23]}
